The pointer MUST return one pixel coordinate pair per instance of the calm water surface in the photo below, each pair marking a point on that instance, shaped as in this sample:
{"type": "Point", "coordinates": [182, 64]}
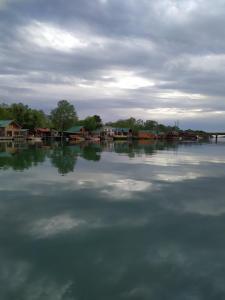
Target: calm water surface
{"type": "Point", "coordinates": [113, 221]}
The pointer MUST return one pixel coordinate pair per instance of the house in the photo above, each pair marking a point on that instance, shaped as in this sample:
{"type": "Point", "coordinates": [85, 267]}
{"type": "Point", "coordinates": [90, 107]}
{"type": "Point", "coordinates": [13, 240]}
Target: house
{"type": "Point", "coordinates": [172, 135]}
{"type": "Point", "coordinates": [146, 134]}
{"type": "Point", "coordinates": [43, 132]}
{"type": "Point", "coordinates": [107, 133]}
{"type": "Point", "coordinates": [76, 133]}
{"type": "Point", "coordinates": [188, 135]}
{"type": "Point", "coordinates": [9, 129]}
{"type": "Point", "coordinates": [161, 135]}
{"type": "Point", "coordinates": [24, 133]}
{"type": "Point", "coordinates": [121, 133]}
{"type": "Point", "coordinates": [108, 130]}
{"type": "Point", "coordinates": [96, 135]}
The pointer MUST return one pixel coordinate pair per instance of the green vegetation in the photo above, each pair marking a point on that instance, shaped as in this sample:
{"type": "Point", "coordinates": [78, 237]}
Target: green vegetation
{"type": "Point", "coordinates": [142, 125]}
{"type": "Point", "coordinates": [24, 115]}
{"type": "Point", "coordinates": [65, 116]}
{"type": "Point", "coordinates": [91, 122]}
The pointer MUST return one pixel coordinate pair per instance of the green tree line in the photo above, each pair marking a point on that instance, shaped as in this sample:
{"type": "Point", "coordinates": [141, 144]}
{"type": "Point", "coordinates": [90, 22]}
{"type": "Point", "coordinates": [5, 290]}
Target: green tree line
{"type": "Point", "coordinates": [140, 124]}
{"type": "Point", "coordinates": [65, 116]}
{"type": "Point", "coordinates": [60, 118]}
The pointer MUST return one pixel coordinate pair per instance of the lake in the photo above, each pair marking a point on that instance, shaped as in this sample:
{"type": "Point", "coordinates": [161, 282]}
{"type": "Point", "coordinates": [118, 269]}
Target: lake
{"type": "Point", "coordinates": [113, 221]}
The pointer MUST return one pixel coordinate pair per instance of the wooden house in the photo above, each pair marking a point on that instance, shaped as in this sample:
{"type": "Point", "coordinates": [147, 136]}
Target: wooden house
{"type": "Point", "coordinates": [172, 135]}
{"type": "Point", "coordinates": [9, 129]}
{"type": "Point", "coordinates": [188, 135]}
{"type": "Point", "coordinates": [107, 133]}
{"type": "Point", "coordinates": [43, 133]}
{"type": "Point", "coordinates": [122, 133]}
{"type": "Point", "coordinates": [146, 135]}
{"type": "Point", "coordinates": [76, 133]}
{"type": "Point", "coordinates": [25, 133]}
{"type": "Point", "coordinates": [96, 135]}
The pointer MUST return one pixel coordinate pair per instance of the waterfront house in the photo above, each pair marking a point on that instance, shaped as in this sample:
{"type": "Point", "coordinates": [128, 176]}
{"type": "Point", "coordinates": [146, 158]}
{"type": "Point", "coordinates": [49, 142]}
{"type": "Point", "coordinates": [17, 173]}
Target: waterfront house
{"type": "Point", "coordinates": [146, 134]}
{"type": "Point", "coordinates": [122, 133]}
{"type": "Point", "coordinates": [107, 133]}
{"type": "Point", "coordinates": [96, 135]}
{"type": "Point", "coordinates": [172, 135]}
{"type": "Point", "coordinates": [9, 129]}
{"type": "Point", "coordinates": [188, 135]}
{"type": "Point", "coordinates": [43, 133]}
{"type": "Point", "coordinates": [76, 133]}
{"type": "Point", "coordinates": [108, 130]}
{"type": "Point", "coordinates": [25, 133]}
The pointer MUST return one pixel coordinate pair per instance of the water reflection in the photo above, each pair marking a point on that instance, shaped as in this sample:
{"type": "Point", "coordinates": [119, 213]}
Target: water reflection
{"type": "Point", "coordinates": [64, 157]}
{"type": "Point", "coordinates": [129, 221]}
{"type": "Point", "coordinates": [21, 156]}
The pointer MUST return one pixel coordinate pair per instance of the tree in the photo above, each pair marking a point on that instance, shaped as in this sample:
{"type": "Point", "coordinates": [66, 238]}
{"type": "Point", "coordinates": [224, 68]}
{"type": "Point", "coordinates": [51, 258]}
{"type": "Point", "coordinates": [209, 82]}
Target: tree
{"type": "Point", "coordinates": [98, 121]}
{"type": "Point", "coordinates": [128, 123]}
{"type": "Point", "coordinates": [38, 119]}
{"type": "Point", "coordinates": [4, 112]}
{"type": "Point", "coordinates": [151, 125]}
{"type": "Point", "coordinates": [92, 122]}
{"type": "Point", "coordinates": [24, 115]}
{"type": "Point", "coordinates": [63, 116]}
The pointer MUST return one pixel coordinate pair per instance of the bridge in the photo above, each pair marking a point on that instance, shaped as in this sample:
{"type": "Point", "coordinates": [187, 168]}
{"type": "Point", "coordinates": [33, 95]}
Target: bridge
{"type": "Point", "coordinates": [217, 133]}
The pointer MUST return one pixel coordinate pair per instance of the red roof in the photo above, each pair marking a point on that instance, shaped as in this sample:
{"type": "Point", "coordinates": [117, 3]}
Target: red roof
{"type": "Point", "coordinates": [44, 130]}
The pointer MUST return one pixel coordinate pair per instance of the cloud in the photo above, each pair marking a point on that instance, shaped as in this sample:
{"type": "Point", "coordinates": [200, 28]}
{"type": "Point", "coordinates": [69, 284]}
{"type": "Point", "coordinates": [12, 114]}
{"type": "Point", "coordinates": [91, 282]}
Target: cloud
{"type": "Point", "coordinates": [138, 57]}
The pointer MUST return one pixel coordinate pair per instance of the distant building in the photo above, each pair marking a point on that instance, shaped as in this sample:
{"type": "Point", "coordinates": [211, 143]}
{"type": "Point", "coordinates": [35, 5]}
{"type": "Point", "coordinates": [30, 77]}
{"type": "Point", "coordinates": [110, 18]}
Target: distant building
{"type": "Point", "coordinates": [75, 132]}
{"type": "Point", "coordinates": [172, 135]}
{"type": "Point", "coordinates": [188, 135]}
{"type": "Point", "coordinates": [96, 134]}
{"type": "Point", "coordinates": [108, 130]}
{"type": "Point", "coordinates": [127, 132]}
{"type": "Point", "coordinates": [25, 133]}
{"type": "Point", "coordinates": [9, 129]}
{"type": "Point", "coordinates": [43, 132]}
{"type": "Point", "coordinates": [146, 134]}
{"type": "Point", "coordinates": [117, 133]}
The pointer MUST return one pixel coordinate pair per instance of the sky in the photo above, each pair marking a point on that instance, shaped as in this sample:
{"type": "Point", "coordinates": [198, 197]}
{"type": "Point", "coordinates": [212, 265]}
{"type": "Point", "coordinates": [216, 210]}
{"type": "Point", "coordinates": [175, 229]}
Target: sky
{"type": "Point", "coordinates": [162, 60]}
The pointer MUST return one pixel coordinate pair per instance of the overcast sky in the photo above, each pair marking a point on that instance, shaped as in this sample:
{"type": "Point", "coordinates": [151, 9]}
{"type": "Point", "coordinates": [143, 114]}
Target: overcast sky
{"type": "Point", "coordinates": [151, 59]}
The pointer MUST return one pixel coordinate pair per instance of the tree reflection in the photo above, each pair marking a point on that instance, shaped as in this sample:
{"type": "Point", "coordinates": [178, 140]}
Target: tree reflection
{"type": "Point", "coordinates": [148, 147]}
{"type": "Point", "coordinates": [20, 157]}
{"type": "Point", "coordinates": [91, 152]}
{"type": "Point", "coordinates": [64, 158]}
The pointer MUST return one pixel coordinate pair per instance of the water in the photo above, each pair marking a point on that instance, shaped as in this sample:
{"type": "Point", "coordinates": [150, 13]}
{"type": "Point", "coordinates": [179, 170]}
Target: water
{"type": "Point", "coordinates": [113, 221]}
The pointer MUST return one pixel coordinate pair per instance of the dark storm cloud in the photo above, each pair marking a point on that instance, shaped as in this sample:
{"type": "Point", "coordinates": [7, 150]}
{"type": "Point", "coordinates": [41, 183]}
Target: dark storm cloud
{"type": "Point", "coordinates": [118, 57]}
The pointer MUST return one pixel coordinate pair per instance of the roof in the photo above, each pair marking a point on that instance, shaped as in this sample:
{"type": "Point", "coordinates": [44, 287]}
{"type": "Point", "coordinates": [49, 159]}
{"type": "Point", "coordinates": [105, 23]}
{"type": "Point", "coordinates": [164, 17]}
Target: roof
{"type": "Point", "coordinates": [43, 129]}
{"type": "Point", "coordinates": [5, 123]}
{"type": "Point", "coordinates": [122, 129]}
{"type": "Point", "coordinates": [74, 129]}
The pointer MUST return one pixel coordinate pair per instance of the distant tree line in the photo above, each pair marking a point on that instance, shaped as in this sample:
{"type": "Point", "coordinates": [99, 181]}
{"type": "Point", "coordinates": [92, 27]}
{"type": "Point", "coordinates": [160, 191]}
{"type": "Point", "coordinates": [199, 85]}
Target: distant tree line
{"type": "Point", "coordinates": [61, 118]}
{"type": "Point", "coordinates": [65, 116]}
{"type": "Point", "coordinates": [24, 115]}
{"type": "Point", "coordinates": [139, 124]}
